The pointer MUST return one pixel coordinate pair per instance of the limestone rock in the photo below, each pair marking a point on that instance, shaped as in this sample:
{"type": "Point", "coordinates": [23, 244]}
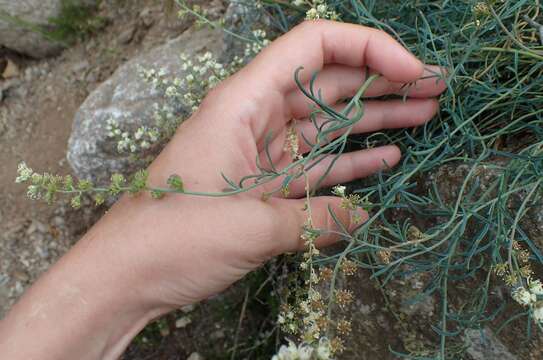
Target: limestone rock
{"type": "Point", "coordinates": [17, 18]}
{"type": "Point", "coordinates": [128, 100]}
{"type": "Point", "coordinates": [195, 356]}
{"type": "Point", "coordinates": [484, 345]}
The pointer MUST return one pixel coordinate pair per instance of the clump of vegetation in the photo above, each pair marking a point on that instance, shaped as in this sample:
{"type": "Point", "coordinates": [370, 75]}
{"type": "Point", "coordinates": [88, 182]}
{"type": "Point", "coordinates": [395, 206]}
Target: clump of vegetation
{"type": "Point", "coordinates": [490, 119]}
{"type": "Point", "coordinates": [75, 21]}
{"type": "Point", "coordinates": [465, 242]}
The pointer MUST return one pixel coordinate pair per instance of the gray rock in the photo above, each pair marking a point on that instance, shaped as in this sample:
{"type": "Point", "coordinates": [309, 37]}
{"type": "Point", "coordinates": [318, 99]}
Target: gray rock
{"type": "Point", "coordinates": [183, 322]}
{"type": "Point", "coordinates": [80, 67]}
{"type": "Point", "coordinates": [128, 99]}
{"type": "Point", "coordinates": [241, 18]}
{"type": "Point", "coordinates": [195, 356]}
{"type": "Point", "coordinates": [19, 19]}
{"type": "Point", "coordinates": [484, 345]}
{"type": "Point", "coordinates": [36, 226]}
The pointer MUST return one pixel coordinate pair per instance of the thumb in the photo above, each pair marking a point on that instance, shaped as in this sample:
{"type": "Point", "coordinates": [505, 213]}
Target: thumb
{"type": "Point", "coordinates": [327, 216]}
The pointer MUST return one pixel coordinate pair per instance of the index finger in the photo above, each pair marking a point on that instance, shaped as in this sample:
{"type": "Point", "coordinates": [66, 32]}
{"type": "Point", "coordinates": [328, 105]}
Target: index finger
{"type": "Point", "coordinates": [314, 44]}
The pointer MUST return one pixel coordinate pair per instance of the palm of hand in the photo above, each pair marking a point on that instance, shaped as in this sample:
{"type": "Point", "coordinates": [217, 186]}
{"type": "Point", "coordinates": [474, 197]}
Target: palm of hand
{"type": "Point", "coordinates": [256, 109]}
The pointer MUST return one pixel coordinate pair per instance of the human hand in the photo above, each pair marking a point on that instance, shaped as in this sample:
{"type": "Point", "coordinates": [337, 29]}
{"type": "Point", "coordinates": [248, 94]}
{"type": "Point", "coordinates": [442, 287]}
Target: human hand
{"type": "Point", "coordinates": [147, 257]}
{"type": "Point", "coordinates": [236, 234]}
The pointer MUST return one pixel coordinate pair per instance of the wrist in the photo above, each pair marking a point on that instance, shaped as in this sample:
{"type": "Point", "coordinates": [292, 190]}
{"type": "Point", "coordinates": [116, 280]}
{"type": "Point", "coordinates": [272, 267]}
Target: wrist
{"type": "Point", "coordinates": [88, 306]}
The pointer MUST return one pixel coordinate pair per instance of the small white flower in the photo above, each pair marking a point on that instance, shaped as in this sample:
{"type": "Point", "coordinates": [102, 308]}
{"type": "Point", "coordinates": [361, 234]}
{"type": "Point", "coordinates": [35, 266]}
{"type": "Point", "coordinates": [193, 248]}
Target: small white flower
{"type": "Point", "coordinates": [145, 145]}
{"type": "Point", "coordinates": [171, 91]}
{"type": "Point", "coordinates": [153, 135]}
{"type": "Point", "coordinates": [33, 192]}
{"type": "Point", "coordinates": [536, 287]}
{"type": "Point", "coordinates": [312, 14]}
{"type": "Point", "coordinates": [305, 352]}
{"type": "Point", "coordinates": [339, 190]}
{"type": "Point", "coordinates": [139, 133]}
{"type": "Point", "coordinates": [23, 173]}
{"type": "Point", "coordinates": [322, 8]}
{"type": "Point", "coordinates": [290, 315]}
{"type": "Point", "coordinates": [323, 350]}
{"type": "Point", "coordinates": [523, 296]}
{"type": "Point", "coordinates": [538, 314]}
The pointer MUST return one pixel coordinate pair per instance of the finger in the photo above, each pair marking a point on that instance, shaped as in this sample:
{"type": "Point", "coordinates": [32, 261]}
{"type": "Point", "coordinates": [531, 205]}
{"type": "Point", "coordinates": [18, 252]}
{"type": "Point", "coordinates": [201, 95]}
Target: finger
{"type": "Point", "coordinates": [336, 82]}
{"type": "Point", "coordinates": [316, 43]}
{"type": "Point", "coordinates": [347, 167]}
{"type": "Point", "coordinates": [294, 217]}
{"type": "Point", "coordinates": [378, 115]}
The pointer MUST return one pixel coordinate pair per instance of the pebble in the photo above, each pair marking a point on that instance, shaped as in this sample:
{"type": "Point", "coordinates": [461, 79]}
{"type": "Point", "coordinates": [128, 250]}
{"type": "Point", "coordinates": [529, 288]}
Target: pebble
{"type": "Point", "coordinates": [188, 308]}
{"type": "Point", "coordinates": [58, 221]}
{"type": "Point", "coordinates": [195, 356]}
{"type": "Point", "coordinates": [11, 70]}
{"type": "Point", "coordinates": [37, 237]}
{"type": "Point", "coordinates": [80, 67]}
{"type": "Point", "coordinates": [21, 276]}
{"type": "Point", "coordinates": [92, 77]}
{"type": "Point", "coordinates": [164, 331]}
{"type": "Point", "coordinates": [42, 252]}
{"type": "Point", "coordinates": [127, 35]}
{"type": "Point", "coordinates": [182, 322]}
{"type": "Point", "coordinates": [36, 226]}
{"type": "Point", "coordinates": [217, 335]}
{"type": "Point", "coordinates": [17, 289]}
{"type": "Point", "coordinates": [29, 74]}
{"type": "Point", "coordinates": [365, 309]}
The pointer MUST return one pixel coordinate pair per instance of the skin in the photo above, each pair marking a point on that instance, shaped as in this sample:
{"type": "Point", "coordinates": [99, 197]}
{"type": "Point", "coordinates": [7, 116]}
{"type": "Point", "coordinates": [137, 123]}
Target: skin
{"type": "Point", "coordinates": [147, 257]}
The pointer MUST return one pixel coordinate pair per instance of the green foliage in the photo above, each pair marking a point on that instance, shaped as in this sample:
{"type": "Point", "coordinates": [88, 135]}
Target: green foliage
{"type": "Point", "coordinates": [75, 21]}
{"type": "Point", "coordinates": [175, 182]}
{"type": "Point", "coordinates": [490, 120]}
{"type": "Point", "coordinates": [16, 21]}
